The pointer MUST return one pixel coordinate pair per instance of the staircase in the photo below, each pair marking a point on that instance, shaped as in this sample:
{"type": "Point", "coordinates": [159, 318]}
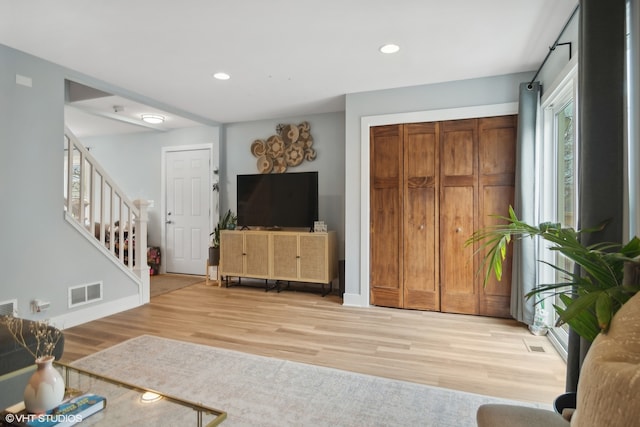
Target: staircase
{"type": "Point", "coordinates": [99, 210]}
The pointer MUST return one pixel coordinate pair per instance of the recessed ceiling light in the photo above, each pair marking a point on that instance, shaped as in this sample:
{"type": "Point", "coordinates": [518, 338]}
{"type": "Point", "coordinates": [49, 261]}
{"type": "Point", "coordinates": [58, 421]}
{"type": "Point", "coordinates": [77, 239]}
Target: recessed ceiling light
{"type": "Point", "coordinates": [222, 76]}
{"type": "Point", "coordinates": [153, 119]}
{"type": "Point", "coordinates": [389, 48]}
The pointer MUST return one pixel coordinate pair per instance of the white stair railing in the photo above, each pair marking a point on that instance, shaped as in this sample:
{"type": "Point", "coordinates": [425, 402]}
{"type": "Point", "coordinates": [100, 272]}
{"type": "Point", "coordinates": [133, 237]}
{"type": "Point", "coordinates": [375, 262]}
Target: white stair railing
{"type": "Point", "coordinates": [101, 210]}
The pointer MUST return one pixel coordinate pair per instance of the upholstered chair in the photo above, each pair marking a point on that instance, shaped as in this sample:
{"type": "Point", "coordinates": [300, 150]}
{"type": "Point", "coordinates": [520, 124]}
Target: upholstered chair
{"type": "Point", "coordinates": [608, 389]}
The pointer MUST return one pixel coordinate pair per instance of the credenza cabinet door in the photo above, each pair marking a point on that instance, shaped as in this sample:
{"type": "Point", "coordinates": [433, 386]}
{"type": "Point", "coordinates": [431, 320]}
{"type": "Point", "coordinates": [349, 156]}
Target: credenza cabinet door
{"type": "Point", "coordinates": [244, 254]}
{"type": "Point", "coordinates": [231, 253]}
{"type": "Point", "coordinates": [285, 256]}
{"type": "Point", "coordinates": [313, 252]}
{"type": "Point", "coordinates": [256, 250]}
{"type": "Point", "coordinates": [304, 257]}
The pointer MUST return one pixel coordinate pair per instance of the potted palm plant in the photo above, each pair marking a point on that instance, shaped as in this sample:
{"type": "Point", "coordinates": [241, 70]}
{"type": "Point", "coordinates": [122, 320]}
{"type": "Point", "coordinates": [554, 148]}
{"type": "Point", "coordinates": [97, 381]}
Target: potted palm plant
{"type": "Point", "coordinates": [227, 222]}
{"type": "Point", "coordinates": [591, 296]}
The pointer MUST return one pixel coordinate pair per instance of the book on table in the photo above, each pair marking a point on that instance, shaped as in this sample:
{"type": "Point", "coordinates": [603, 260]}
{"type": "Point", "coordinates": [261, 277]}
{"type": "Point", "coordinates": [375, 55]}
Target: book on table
{"type": "Point", "coordinates": [68, 413]}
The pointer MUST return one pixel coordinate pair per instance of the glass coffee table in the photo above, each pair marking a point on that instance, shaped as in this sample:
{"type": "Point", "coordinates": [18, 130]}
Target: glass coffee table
{"type": "Point", "coordinates": [130, 404]}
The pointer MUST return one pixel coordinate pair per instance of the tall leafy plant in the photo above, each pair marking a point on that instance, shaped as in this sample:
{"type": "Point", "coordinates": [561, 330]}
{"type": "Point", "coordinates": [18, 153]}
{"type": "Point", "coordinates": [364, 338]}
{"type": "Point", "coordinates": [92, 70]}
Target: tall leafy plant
{"type": "Point", "coordinates": [227, 222]}
{"type": "Point", "coordinates": [590, 296]}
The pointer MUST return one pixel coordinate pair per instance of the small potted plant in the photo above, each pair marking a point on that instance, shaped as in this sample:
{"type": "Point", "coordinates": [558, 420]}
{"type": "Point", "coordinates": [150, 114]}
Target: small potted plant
{"type": "Point", "coordinates": [227, 222]}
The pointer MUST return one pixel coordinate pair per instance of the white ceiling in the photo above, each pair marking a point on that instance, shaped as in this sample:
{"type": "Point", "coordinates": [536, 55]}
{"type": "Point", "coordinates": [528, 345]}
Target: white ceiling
{"type": "Point", "coordinates": [285, 57]}
{"type": "Point", "coordinates": [110, 115]}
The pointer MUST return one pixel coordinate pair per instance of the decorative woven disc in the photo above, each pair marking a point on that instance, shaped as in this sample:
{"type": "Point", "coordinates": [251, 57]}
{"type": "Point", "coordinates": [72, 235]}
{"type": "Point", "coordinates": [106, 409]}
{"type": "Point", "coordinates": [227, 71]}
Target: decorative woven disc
{"type": "Point", "coordinates": [279, 165]}
{"type": "Point", "coordinates": [275, 146]}
{"type": "Point", "coordinates": [289, 134]}
{"type": "Point", "coordinates": [294, 154]}
{"type": "Point", "coordinates": [258, 148]}
{"type": "Point", "coordinates": [309, 154]}
{"type": "Point", "coordinates": [265, 164]}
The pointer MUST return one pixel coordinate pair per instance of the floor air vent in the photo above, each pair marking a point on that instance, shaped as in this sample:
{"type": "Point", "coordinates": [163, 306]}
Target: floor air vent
{"type": "Point", "coordinates": [535, 346]}
{"type": "Point", "coordinates": [84, 294]}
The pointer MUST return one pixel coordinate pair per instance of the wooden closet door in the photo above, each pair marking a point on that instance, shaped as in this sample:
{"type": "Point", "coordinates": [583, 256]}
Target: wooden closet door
{"type": "Point", "coordinates": [458, 203]}
{"type": "Point", "coordinates": [386, 220]}
{"type": "Point", "coordinates": [496, 177]}
{"type": "Point", "coordinates": [433, 185]}
{"type": "Point", "coordinates": [421, 240]}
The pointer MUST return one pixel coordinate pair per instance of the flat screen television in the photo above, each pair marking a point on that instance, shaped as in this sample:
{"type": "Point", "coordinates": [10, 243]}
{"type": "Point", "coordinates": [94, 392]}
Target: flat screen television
{"type": "Point", "coordinates": [277, 200]}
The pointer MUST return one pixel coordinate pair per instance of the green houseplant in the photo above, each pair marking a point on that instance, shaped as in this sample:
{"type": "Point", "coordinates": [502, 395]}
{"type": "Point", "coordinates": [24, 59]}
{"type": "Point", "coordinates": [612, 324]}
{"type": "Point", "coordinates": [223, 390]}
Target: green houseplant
{"type": "Point", "coordinates": [228, 221]}
{"type": "Point", "coordinates": [590, 297]}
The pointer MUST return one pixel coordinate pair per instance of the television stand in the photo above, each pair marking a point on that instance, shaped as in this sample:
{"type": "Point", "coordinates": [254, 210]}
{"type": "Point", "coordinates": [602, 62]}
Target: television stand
{"type": "Point", "coordinates": [324, 292]}
{"type": "Point", "coordinates": [267, 287]}
{"type": "Point", "coordinates": [288, 256]}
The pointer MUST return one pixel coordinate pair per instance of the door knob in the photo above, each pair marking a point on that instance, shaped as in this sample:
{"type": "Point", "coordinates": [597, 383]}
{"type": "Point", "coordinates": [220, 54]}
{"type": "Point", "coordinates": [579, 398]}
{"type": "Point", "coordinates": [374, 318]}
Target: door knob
{"type": "Point", "coordinates": [169, 222]}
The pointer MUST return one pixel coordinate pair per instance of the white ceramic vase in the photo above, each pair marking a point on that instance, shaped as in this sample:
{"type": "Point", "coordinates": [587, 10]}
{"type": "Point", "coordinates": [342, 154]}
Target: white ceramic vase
{"type": "Point", "coordinates": [45, 389]}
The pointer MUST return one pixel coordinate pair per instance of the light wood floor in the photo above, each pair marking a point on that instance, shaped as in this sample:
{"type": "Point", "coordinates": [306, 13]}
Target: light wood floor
{"type": "Point", "coordinates": [469, 353]}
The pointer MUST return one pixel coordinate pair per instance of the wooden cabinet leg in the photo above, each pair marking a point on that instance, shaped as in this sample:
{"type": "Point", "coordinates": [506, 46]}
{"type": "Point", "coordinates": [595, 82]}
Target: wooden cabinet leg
{"type": "Point", "coordinates": [206, 273]}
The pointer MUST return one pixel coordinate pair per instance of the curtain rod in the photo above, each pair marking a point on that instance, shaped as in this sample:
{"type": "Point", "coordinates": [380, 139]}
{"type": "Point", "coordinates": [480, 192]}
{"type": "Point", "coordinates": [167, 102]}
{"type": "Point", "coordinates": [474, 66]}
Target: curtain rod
{"type": "Point", "coordinates": [553, 47]}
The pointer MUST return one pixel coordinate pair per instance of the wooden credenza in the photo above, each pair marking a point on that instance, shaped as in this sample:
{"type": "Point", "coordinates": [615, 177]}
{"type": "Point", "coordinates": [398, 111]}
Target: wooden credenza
{"type": "Point", "coordinates": [291, 256]}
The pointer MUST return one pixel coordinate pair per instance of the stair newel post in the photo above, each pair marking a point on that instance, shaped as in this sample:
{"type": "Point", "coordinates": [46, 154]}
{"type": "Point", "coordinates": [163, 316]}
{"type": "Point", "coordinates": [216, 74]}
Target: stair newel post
{"type": "Point", "coordinates": [141, 268]}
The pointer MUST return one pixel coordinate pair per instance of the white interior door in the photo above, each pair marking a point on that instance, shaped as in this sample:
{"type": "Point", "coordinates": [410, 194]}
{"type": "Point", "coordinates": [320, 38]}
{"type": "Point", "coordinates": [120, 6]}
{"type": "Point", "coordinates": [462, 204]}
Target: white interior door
{"type": "Point", "coordinates": [187, 211]}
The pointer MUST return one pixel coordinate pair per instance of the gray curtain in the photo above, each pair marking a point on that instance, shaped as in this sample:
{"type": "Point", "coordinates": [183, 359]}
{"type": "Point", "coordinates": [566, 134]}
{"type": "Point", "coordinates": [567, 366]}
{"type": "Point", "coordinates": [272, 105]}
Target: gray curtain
{"type": "Point", "coordinates": [523, 277]}
{"type": "Point", "coordinates": [633, 103]}
{"type": "Point", "coordinates": [601, 75]}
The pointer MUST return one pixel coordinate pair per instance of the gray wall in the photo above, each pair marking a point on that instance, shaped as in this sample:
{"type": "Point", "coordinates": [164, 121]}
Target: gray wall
{"type": "Point", "coordinates": [41, 255]}
{"type": "Point", "coordinates": [328, 133]}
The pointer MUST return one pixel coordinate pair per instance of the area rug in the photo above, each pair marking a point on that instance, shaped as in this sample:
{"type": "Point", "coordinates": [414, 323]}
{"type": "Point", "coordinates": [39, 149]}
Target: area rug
{"type": "Point", "coordinates": [163, 283]}
{"type": "Point", "coordinates": [264, 391]}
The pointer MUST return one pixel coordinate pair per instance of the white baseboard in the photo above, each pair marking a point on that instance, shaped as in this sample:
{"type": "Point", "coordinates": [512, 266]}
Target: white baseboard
{"type": "Point", "coordinates": [353, 300]}
{"type": "Point", "coordinates": [94, 312]}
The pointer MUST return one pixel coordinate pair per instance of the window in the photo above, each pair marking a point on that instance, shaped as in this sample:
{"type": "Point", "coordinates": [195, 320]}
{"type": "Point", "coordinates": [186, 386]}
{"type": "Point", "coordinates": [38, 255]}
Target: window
{"type": "Point", "coordinates": [558, 185]}
{"type": "Point", "coordinates": [632, 114]}
{"type": "Point", "coordinates": [566, 195]}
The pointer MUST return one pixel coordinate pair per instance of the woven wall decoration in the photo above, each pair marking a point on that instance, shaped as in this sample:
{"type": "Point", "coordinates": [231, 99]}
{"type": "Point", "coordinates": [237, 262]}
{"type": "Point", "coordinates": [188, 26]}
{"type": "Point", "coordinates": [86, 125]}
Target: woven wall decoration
{"type": "Point", "coordinates": [288, 148]}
